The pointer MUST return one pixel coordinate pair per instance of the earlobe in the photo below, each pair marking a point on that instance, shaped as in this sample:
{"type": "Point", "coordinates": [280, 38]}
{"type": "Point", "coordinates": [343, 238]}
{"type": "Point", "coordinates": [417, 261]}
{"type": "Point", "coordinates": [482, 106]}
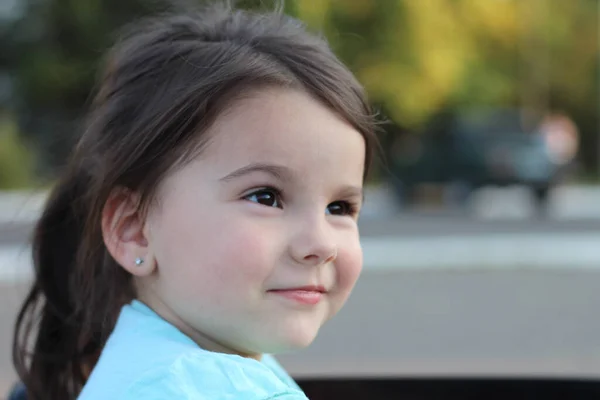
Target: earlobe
{"type": "Point", "coordinates": [124, 234]}
{"type": "Point", "coordinates": [140, 266]}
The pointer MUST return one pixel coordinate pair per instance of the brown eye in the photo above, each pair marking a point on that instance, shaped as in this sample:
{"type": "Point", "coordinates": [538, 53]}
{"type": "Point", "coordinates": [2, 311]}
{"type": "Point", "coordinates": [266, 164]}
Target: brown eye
{"type": "Point", "coordinates": [265, 197]}
{"type": "Point", "coordinates": [340, 208]}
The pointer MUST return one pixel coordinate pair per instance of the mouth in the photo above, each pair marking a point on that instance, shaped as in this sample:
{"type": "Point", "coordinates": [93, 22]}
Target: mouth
{"type": "Point", "coordinates": [310, 295]}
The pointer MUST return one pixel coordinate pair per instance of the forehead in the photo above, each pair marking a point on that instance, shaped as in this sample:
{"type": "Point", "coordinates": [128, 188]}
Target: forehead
{"type": "Point", "coordinates": [287, 127]}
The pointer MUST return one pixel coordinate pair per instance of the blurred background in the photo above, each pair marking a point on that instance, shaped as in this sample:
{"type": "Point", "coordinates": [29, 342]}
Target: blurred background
{"type": "Point", "coordinates": [482, 219]}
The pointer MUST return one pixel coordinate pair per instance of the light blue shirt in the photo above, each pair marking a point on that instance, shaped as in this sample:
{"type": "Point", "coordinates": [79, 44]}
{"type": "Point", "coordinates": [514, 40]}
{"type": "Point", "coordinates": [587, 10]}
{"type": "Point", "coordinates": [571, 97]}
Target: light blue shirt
{"type": "Point", "coordinates": [148, 358]}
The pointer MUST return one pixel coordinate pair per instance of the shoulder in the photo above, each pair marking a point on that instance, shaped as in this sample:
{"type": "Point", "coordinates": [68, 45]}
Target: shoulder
{"type": "Point", "coordinates": [202, 375]}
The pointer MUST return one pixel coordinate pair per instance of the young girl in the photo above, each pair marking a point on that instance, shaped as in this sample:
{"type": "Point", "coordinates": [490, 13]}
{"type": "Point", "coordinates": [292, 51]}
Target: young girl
{"type": "Point", "coordinates": [207, 218]}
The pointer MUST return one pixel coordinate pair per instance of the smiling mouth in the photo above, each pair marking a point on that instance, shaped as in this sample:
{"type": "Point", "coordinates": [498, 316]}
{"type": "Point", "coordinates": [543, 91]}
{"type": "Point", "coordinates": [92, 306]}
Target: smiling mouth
{"type": "Point", "coordinates": [310, 295]}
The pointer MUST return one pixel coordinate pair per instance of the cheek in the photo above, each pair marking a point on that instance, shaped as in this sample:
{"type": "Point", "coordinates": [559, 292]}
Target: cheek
{"type": "Point", "coordinates": [240, 255]}
{"type": "Point", "coordinates": [348, 267]}
{"type": "Point", "coordinates": [219, 257]}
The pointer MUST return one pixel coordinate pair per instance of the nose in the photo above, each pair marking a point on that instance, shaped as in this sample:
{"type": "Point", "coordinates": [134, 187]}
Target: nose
{"type": "Point", "coordinates": [314, 243]}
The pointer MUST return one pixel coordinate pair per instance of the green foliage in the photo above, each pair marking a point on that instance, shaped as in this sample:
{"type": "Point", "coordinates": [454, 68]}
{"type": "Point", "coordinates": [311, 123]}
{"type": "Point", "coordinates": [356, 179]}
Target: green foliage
{"type": "Point", "coordinates": [16, 161]}
{"type": "Point", "coordinates": [416, 58]}
{"type": "Point", "coordinates": [53, 53]}
{"type": "Point", "coordinates": [419, 56]}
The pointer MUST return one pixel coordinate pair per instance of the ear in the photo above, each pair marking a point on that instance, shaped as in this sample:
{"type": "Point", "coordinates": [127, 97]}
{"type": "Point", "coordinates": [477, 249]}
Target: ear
{"type": "Point", "coordinates": [123, 230]}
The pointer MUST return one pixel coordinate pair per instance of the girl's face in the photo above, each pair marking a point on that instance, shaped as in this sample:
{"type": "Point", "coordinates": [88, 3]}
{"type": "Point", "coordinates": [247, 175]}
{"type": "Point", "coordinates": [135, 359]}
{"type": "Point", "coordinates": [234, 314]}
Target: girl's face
{"type": "Point", "coordinates": [270, 206]}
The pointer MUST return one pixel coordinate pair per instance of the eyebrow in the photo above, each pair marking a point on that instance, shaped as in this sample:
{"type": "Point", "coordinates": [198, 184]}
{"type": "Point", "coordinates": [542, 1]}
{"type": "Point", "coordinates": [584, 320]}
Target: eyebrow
{"type": "Point", "coordinates": [285, 174]}
{"type": "Point", "coordinates": [352, 191]}
{"type": "Point", "coordinates": [277, 171]}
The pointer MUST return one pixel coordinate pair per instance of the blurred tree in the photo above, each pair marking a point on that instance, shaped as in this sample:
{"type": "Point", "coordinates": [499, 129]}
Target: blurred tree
{"type": "Point", "coordinates": [51, 51]}
{"type": "Point", "coordinates": [418, 58]}
{"type": "Point", "coordinates": [16, 161]}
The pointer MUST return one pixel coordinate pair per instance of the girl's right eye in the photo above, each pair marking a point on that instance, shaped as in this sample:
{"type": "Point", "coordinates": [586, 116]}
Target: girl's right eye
{"type": "Point", "coordinates": [266, 197]}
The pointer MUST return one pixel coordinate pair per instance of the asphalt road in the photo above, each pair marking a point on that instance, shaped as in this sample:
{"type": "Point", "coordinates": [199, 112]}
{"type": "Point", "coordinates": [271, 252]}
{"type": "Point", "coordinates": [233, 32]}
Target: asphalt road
{"type": "Point", "coordinates": [10, 299]}
{"type": "Point", "coordinates": [512, 323]}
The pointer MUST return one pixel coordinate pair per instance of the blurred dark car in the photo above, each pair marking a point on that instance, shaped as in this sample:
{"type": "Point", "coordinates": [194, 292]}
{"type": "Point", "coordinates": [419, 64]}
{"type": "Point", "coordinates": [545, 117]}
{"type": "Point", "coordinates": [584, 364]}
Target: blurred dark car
{"type": "Point", "coordinates": [473, 150]}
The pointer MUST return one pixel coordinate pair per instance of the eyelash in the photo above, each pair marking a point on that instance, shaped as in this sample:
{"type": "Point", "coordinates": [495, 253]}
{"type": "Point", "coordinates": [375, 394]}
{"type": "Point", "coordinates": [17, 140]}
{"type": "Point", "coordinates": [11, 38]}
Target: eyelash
{"type": "Point", "coordinates": [351, 208]}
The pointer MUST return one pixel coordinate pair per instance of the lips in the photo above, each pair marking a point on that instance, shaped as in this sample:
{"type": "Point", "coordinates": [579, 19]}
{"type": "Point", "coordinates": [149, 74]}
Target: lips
{"type": "Point", "coordinates": [310, 295]}
{"type": "Point", "coordinates": [309, 288]}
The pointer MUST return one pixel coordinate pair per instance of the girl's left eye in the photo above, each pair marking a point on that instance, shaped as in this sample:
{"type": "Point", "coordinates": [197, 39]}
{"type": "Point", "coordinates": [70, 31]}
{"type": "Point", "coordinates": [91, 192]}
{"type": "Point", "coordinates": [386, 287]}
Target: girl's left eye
{"type": "Point", "coordinates": [341, 208]}
{"type": "Point", "coordinates": [266, 197]}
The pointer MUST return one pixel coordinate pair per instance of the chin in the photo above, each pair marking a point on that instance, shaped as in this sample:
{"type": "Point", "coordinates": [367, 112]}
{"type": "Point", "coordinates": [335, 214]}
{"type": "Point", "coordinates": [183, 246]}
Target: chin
{"type": "Point", "coordinates": [298, 340]}
{"type": "Point", "coordinates": [290, 341]}
{"type": "Point", "coordinates": [290, 333]}
{"type": "Point", "coordinates": [301, 342]}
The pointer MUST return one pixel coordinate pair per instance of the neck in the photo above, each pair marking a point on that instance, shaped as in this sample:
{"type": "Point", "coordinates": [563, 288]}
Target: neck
{"type": "Point", "coordinates": [202, 340]}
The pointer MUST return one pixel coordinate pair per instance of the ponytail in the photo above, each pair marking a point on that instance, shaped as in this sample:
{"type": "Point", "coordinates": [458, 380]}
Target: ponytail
{"type": "Point", "coordinates": [64, 349]}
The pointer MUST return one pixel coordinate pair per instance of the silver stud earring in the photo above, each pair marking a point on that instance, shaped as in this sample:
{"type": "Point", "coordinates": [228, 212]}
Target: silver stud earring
{"type": "Point", "coordinates": [139, 261]}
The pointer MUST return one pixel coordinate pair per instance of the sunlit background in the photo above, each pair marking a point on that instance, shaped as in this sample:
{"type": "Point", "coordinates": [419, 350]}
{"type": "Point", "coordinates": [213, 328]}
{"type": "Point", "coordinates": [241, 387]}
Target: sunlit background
{"type": "Point", "coordinates": [482, 217]}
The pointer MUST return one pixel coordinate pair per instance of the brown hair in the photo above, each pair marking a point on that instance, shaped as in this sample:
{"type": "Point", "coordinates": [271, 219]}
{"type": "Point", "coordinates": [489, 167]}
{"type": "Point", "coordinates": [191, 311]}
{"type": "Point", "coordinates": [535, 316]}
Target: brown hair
{"type": "Point", "coordinates": [164, 83]}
